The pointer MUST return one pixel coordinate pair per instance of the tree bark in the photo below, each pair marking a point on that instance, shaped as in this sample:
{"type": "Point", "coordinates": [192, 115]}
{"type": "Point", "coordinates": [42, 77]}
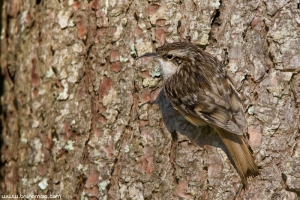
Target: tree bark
{"type": "Point", "coordinates": [76, 121]}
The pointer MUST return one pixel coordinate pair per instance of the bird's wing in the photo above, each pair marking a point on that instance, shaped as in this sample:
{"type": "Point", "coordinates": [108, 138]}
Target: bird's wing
{"type": "Point", "coordinates": [207, 93]}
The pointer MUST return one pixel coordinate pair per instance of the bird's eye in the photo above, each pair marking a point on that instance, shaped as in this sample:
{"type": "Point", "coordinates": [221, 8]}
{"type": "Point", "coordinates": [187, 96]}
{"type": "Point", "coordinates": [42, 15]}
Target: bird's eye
{"type": "Point", "coordinates": [170, 56]}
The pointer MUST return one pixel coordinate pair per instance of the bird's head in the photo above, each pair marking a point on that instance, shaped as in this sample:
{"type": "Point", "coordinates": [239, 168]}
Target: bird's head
{"type": "Point", "coordinates": [171, 57]}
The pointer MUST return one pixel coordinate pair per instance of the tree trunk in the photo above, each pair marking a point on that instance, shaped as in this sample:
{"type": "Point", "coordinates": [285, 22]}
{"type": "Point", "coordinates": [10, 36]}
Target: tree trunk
{"type": "Point", "coordinates": [76, 121]}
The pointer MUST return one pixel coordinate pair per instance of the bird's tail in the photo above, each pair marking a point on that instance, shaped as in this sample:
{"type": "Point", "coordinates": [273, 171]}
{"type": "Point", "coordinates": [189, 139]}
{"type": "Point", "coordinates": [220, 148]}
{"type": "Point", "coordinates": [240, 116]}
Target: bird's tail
{"type": "Point", "coordinates": [240, 153]}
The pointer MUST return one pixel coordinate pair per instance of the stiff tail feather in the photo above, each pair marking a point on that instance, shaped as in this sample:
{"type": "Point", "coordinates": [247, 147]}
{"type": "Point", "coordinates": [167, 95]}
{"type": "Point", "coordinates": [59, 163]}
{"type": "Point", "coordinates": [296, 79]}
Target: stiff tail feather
{"type": "Point", "coordinates": [240, 153]}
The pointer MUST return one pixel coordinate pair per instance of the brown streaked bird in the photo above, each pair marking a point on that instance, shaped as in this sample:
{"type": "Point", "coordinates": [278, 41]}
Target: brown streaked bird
{"type": "Point", "coordinates": [198, 87]}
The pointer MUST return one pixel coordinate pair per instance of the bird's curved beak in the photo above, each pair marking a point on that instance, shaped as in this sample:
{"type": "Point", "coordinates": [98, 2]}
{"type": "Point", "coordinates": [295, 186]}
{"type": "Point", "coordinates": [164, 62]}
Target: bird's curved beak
{"type": "Point", "coordinates": [154, 54]}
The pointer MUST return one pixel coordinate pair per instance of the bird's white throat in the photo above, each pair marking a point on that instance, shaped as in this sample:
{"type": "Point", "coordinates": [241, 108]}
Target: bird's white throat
{"type": "Point", "coordinates": [167, 68]}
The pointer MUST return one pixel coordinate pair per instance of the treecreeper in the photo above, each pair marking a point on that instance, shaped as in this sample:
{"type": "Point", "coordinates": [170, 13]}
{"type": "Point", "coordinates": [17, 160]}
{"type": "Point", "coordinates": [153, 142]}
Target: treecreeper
{"type": "Point", "coordinates": [198, 87]}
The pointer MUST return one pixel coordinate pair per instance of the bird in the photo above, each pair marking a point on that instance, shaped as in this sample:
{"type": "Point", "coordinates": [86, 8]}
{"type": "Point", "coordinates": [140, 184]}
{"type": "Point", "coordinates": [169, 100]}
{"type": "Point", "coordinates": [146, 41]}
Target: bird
{"type": "Point", "coordinates": [199, 88]}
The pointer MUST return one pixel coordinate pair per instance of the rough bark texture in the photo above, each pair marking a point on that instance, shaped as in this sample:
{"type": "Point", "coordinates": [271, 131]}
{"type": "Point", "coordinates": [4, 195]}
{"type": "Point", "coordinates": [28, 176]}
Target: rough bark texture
{"type": "Point", "coordinates": [73, 119]}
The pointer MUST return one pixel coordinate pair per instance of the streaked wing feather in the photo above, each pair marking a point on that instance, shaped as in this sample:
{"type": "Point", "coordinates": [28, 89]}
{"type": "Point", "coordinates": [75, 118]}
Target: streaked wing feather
{"type": "Point", "coordinates": [210, 97]}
